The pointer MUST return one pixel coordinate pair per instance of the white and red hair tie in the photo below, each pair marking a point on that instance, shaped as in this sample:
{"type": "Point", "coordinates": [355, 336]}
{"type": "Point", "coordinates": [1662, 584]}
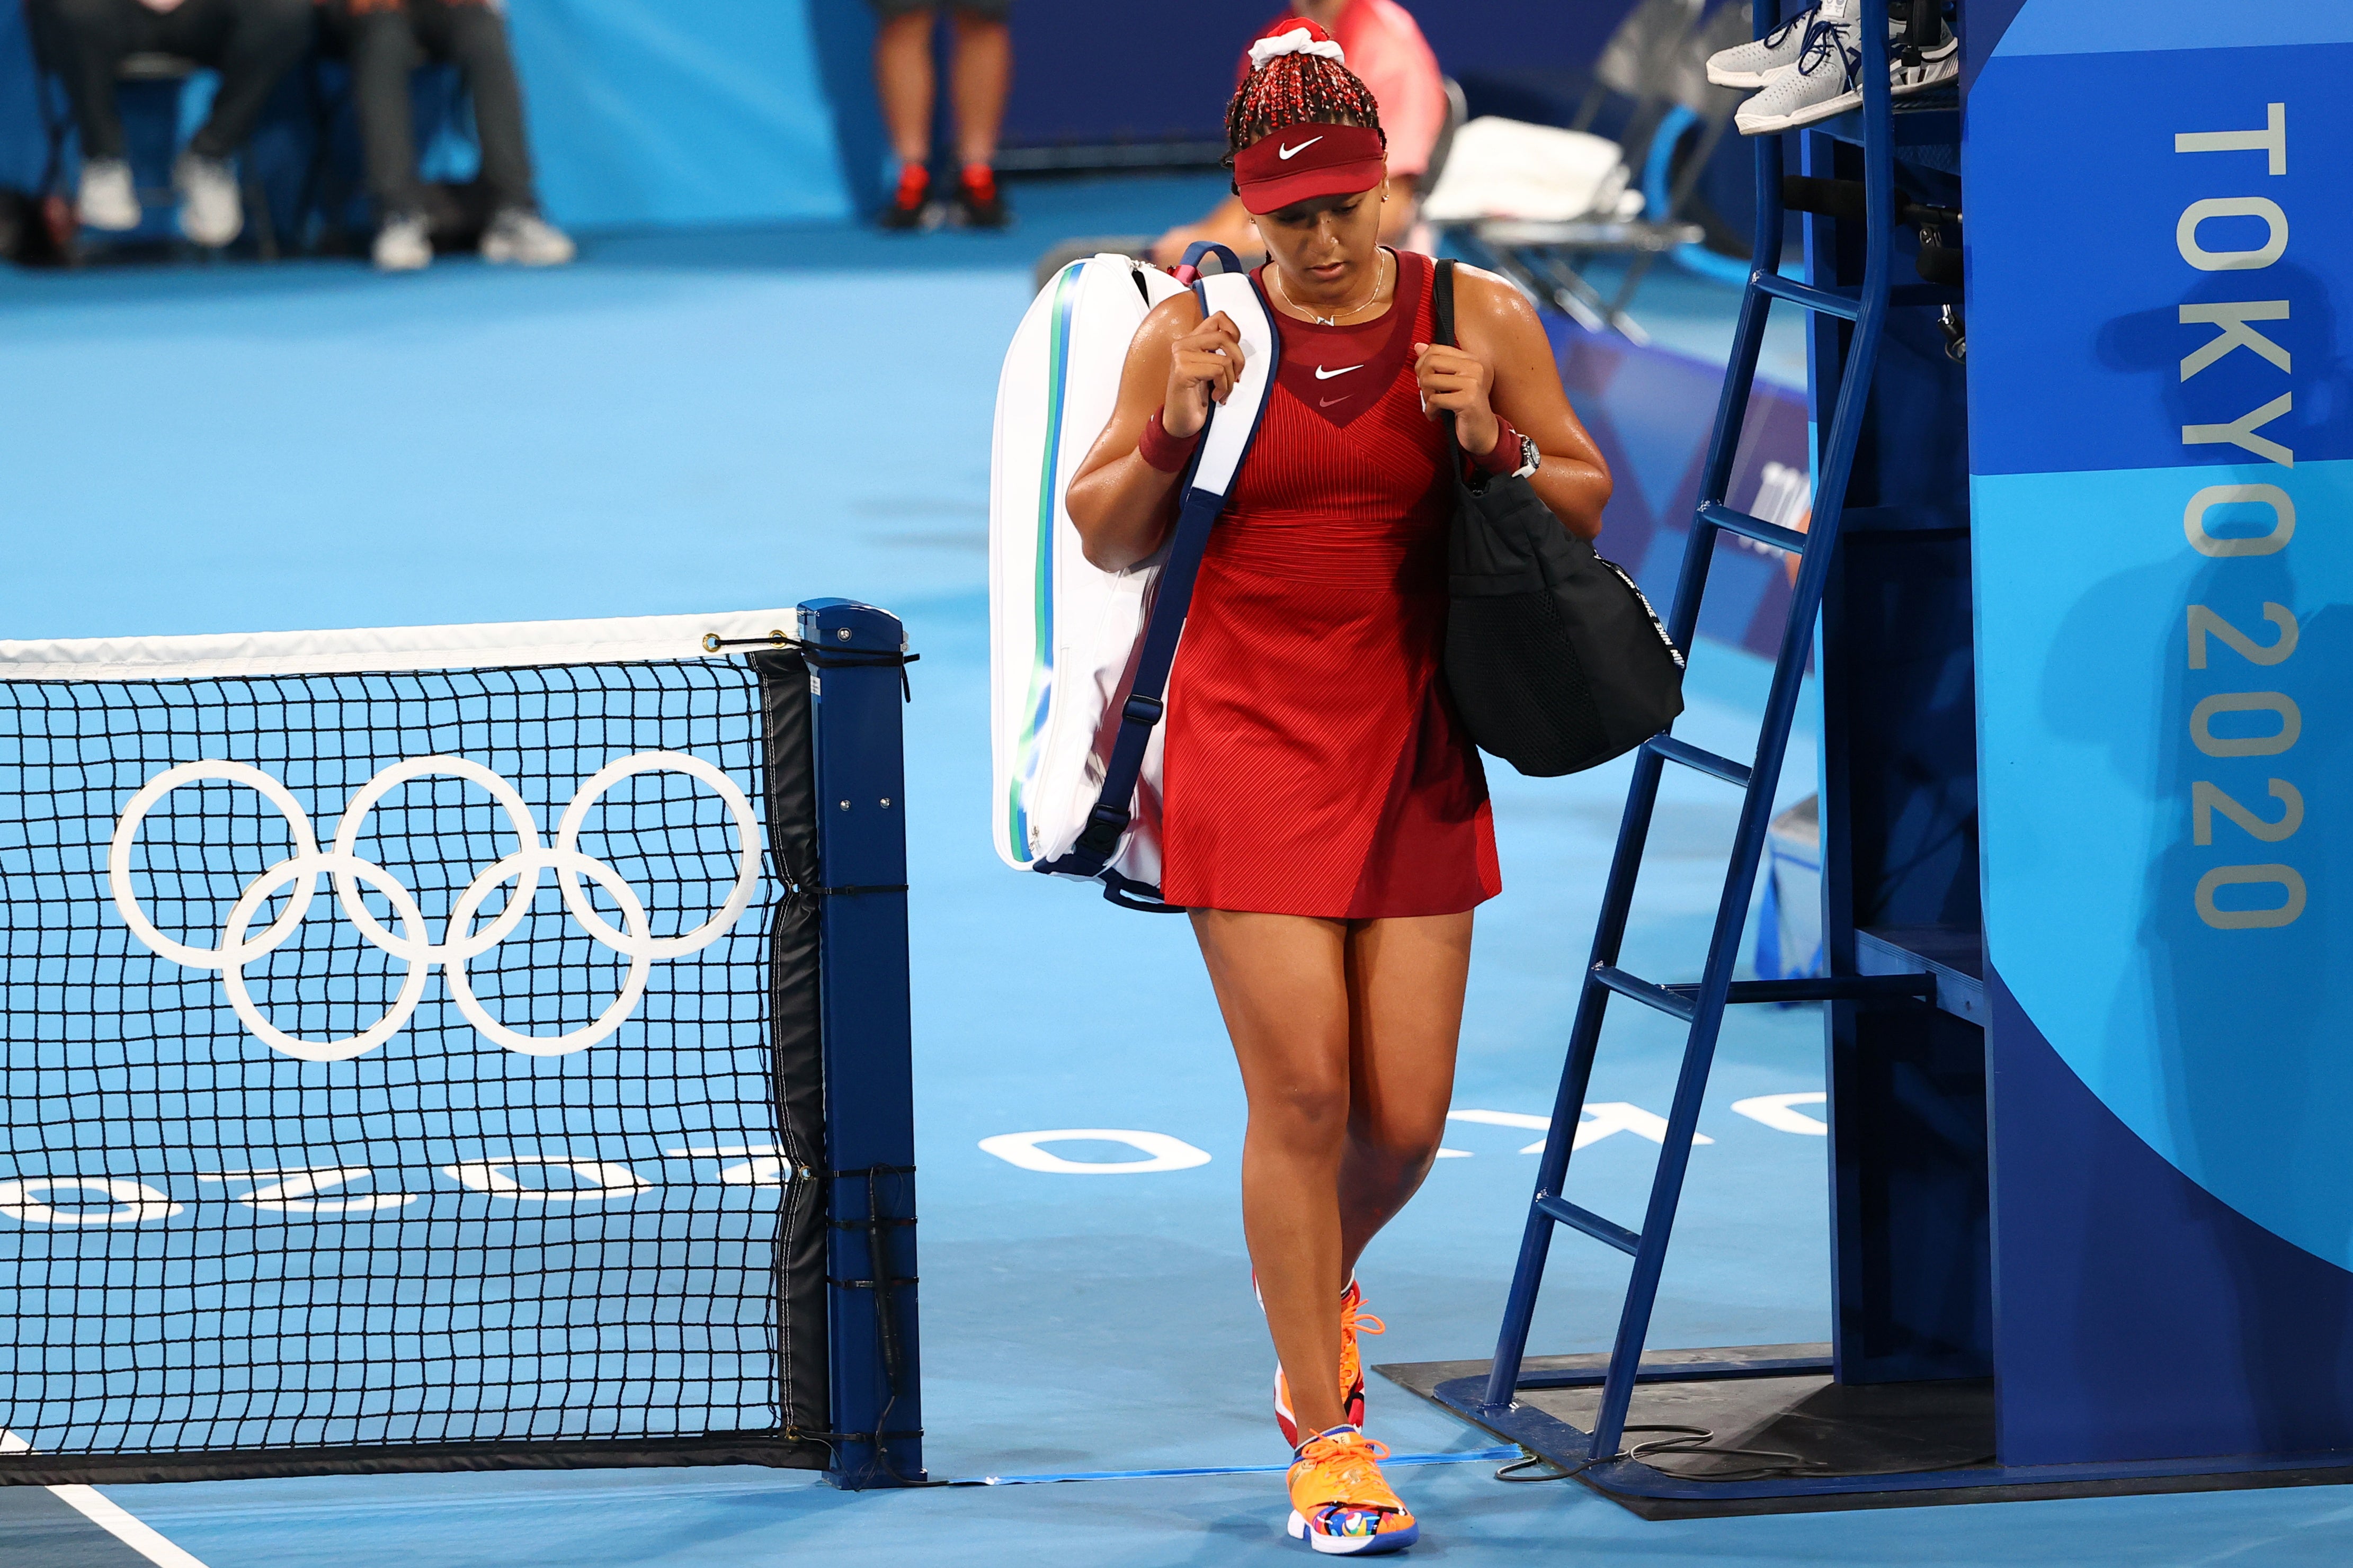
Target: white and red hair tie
{"type": "Point", "coordinates": [1296, 37]}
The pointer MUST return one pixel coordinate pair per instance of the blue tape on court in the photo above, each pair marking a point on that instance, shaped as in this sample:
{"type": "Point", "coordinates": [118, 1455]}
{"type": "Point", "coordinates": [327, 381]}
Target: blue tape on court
{"type": "Point", "coordinates": [1475, 1456]}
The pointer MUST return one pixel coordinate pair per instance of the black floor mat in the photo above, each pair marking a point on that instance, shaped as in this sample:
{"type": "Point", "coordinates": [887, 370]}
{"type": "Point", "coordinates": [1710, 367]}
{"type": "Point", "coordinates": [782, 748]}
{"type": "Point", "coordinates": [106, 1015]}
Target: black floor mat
{"type": "Point", "coordinates": [1804, 1428]}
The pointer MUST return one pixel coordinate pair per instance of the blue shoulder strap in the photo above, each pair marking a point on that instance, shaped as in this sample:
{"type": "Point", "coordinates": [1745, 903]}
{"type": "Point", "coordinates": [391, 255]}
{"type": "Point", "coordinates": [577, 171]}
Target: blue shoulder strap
{"type": "Point", "coordinates": [1190, 269]}
{"type": "Point", "coordinates": [1224, 441]}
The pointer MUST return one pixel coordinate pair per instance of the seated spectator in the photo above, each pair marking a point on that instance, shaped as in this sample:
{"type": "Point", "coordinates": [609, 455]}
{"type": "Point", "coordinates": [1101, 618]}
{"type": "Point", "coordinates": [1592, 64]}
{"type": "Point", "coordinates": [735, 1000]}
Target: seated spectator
{"type": "Point", "coordinates": [1386, 51]}
{"type": "Point", "coordinates": [251, 42]}
{"type": "Point", "coordinates": [387, 39]}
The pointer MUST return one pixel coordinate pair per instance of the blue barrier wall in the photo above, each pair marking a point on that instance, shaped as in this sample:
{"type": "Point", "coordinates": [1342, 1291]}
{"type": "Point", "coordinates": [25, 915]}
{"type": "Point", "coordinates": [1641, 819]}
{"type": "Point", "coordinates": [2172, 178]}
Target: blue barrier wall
{"type": "Point", "coordinates": [842, 31]}
{"type": "Point", "coordinates": [1083, 77]}
{"type": "Point", "coordinates": [712, 112]}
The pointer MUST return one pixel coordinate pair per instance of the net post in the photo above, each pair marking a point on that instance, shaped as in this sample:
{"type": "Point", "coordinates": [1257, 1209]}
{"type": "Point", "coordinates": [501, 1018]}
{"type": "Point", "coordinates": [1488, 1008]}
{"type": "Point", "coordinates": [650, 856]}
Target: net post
{"type": "Point", "coordinates": [855, 685]}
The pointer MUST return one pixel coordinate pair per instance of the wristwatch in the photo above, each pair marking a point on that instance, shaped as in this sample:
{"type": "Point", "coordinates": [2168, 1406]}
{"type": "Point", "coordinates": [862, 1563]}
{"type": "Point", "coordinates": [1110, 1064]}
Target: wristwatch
{"type": "Point", "coordinates": [1529, 459]}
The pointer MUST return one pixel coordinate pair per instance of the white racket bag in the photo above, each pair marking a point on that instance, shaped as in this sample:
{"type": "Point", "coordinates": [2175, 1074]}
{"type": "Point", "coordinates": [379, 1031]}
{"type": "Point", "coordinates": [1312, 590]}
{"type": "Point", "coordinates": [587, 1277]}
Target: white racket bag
{"type": "Point", "coordinates": [1076, 685]}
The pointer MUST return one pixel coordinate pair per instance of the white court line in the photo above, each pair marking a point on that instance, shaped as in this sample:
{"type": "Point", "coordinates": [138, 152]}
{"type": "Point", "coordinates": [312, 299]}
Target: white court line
{"type": "Point", "coordinates": [110, 1517]}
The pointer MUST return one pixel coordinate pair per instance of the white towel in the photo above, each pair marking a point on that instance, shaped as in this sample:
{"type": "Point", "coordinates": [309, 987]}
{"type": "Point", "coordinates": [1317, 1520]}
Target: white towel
{"type": "Point", "coordinates": [1509, 168]}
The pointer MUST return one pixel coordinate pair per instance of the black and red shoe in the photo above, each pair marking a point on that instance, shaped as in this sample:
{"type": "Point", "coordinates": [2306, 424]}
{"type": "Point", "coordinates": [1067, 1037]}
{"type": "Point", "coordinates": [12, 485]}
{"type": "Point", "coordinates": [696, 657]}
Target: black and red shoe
{"type": "Point", "coordinates": [910, 204]}
{"type": "Point", "coordinates": [979, 203]}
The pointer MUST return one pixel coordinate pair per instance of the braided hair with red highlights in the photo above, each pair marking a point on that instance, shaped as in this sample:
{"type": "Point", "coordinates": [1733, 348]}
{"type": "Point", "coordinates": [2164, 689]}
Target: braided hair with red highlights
{"type": "Point", "coordinates": [1298, 90]}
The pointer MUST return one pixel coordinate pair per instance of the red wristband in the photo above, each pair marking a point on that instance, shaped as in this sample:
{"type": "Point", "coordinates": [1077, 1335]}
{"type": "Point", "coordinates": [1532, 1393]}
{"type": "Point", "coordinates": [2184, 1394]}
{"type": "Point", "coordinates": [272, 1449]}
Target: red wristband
{"type": "Point", "coordinates": [1503, 456]}
{"type": "Point", "coordinates": [1164, 452]}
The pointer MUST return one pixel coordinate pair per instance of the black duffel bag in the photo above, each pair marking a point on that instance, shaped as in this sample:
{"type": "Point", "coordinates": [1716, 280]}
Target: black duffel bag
{"type": "Point", "coordinates": [1554, 659]}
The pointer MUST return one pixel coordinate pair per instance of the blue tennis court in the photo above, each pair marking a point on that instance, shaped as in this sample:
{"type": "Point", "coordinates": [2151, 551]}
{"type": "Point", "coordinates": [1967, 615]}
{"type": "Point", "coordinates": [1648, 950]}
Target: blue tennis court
{"type": "Point", "coordinates": [669, 429]}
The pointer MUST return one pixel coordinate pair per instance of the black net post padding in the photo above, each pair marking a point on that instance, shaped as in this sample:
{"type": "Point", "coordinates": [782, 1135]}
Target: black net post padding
{"type": "Point", "coordinates": [855, 654]}
{"type": "Point", "coordinates": [795, 1038]}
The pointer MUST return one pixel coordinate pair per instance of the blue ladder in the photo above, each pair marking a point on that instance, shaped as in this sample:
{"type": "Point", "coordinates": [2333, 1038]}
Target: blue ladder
{"type": "Point", "coordinates": [1700, 1006]}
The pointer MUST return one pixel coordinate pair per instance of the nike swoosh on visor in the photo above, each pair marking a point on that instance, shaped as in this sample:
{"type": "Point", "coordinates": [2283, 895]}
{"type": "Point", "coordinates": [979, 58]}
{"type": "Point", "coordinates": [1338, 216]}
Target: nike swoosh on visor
{"type": "Point", "coordinates": [1286, 154]}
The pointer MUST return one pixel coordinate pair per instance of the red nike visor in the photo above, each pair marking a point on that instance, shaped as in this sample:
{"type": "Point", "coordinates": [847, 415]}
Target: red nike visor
{"type": "Point", "coordinates": [1307, 161]}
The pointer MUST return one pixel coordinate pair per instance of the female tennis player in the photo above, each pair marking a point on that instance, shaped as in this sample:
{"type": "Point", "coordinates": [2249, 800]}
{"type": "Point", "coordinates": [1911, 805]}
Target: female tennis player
{"type": "Point", "coordinates": [1325, 816]}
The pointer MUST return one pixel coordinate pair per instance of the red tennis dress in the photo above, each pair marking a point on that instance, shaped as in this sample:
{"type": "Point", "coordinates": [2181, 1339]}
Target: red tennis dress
{"type": "Point", "coordinates": [1314, 764]}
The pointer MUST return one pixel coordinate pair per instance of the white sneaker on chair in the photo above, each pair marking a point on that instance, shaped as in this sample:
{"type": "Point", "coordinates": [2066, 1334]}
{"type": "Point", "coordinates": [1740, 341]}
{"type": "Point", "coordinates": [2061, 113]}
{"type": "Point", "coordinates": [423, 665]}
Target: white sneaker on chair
{"type": "Point", "coordinates": [526, 239]}
{"type": "Point", "coordinates": [403, 243]}
{"type": "Point", "coordinates": [212, 214]}
{"type": "Point", "coordinates": [1824, 82]}
{"type": "Point", "coordinates": [108, 199]}
{"type": "Point", "coordinates": [1754, 65]}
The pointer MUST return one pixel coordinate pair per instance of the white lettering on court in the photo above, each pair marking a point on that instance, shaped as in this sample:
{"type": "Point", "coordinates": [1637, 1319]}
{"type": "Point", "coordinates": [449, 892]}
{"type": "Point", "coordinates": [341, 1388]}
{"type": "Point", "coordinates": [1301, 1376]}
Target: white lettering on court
{"type": "Point", "coordinates": [1161, 1151]}
{"type": "Point", "coordinates": [598, 1178]}
{"type": "Point", "coordinates": [96, 1200]}
{"type": "Point", "coordinates": [1602, 1119]}
{"type": "Point", "coordinates": [1776, 1111]}
{"type": "Point", "coordinates": [295, 1191]}
{"type": "Point", "coordinates": [765, 1168]}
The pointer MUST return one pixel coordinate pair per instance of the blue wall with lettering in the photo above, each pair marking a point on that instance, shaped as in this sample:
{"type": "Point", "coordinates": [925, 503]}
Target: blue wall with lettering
{"type": "Point", "coordinates": [2161, 427]}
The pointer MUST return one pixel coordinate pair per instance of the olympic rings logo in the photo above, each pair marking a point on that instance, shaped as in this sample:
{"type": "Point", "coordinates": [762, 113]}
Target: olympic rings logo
{"type": "Point", "coordinates": [299, 873]}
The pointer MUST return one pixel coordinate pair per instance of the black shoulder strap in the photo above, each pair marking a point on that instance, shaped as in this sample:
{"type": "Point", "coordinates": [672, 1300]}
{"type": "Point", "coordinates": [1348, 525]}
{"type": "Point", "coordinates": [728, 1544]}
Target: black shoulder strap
{"type": "Point", "coordinates": [1442, 313]}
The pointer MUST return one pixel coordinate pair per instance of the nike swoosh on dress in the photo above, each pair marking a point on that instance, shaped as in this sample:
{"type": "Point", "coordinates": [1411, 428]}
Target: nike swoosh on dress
{"type": "Point", "coordinates": [1322, 374]}
{"type": "Point", "coordinates": [1327, 401]}
{"type": "Point", "coordinates": [1286, 154]}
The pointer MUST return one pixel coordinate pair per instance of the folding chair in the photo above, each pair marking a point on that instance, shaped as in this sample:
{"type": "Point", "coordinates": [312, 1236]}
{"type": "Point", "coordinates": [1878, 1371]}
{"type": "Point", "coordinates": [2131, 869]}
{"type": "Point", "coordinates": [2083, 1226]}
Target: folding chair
{"type": "Point", "coordinates": [1458, 109]}
{"type": "Point", "coordinates": [1637, 59]}
{"type": "Point", "coordinates": [143, 66]}
{"type": "Point", "coordinates": [1658, 60]}
{"type": "Point", "coordinates": [49, 93]}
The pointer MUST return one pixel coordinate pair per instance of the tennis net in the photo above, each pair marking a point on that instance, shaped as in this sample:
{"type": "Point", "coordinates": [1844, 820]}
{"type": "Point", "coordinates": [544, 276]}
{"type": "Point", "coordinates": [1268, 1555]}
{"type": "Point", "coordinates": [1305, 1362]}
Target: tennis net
{"type": "Point", "coordinates": [410, 1052]}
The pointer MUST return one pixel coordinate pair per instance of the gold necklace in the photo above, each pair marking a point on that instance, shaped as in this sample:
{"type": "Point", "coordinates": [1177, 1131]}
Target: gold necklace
{"type": "Point", "coordinates": [1380, 272]}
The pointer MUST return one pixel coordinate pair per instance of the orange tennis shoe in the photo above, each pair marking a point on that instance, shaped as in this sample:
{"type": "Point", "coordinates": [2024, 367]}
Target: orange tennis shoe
{"type": "Point", "coordinates": [1339, 1504]}
{"type": "Point", "coordinates": [1354, 1320]}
